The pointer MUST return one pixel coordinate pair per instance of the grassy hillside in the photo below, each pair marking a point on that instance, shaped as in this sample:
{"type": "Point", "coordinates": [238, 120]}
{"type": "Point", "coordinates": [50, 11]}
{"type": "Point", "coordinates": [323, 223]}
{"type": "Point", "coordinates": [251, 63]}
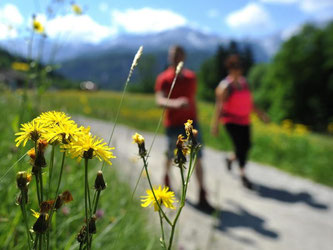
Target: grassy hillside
{"type": "Point", "coordinates": [289, 147]}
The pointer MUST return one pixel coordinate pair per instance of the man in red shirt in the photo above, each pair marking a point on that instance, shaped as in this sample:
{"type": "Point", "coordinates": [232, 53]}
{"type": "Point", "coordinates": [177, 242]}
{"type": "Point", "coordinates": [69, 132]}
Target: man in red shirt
{"type": "Point", "coordinates": [180, 107]}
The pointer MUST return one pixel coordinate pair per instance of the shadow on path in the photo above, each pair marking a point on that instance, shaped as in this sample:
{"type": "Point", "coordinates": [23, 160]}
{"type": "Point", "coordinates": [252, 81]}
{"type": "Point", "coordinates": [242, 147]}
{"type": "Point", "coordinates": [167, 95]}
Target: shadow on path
{"type": "Point", "coordinates": [284, 195]}
{"type": "Point", "coordinates": [228, 219]}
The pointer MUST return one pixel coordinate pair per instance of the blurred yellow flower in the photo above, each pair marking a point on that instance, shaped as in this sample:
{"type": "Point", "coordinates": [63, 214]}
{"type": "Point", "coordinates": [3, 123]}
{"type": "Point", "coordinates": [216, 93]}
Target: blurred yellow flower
{"type": "Point", "coordinates": [137, 138]}
{"type": "Point", "coordinates": [76, 9]}
{"type": "Point", "coordinates": [301, 129]}
{"type": "Point", "coordinates": [20, 66]}
{"type": "Point", "coordinates": [35, 213]}
{"type": "Point", "coordinates": [330, 128]}
{"type": "Point", "coordinates": [163, 196]}
{"type": "Point", "coordinates": [31, 130]}
{"type": "Point", "coordinates": [37, 26]}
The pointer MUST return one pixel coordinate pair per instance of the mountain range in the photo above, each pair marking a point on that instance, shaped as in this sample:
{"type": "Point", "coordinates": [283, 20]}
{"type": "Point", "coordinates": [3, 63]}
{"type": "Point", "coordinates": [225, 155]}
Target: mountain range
{"type": "Point", "coordinates": [107, 63]}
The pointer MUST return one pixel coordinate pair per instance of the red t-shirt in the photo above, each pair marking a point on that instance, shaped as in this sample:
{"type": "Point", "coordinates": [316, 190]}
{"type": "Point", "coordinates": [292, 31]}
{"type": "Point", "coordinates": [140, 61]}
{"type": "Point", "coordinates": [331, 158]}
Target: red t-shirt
{"type": "Point", "coordinates": [185, 86]}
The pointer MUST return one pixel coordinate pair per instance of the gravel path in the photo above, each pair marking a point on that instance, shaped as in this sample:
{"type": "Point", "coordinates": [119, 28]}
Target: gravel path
{"type": "Point", "coordinates": [284, 211]}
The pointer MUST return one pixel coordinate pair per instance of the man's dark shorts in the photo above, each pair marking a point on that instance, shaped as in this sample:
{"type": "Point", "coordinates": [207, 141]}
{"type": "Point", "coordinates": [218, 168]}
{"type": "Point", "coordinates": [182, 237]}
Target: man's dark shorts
{"type": "Point", "coordinates": [172, 136]}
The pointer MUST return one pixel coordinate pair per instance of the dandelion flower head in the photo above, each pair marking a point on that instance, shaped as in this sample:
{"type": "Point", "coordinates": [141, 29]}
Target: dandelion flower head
{"type": "Point", "coordinates": [31, 130]}
{"type": "Point", "coordinates": [76, 9]}
{"type": "Point", "coordinates": [137, 138]}
{"type": "Point", "coordinates": [88, 146]}
{"type": "Point", "coordinates": [163, 196]}
{"type": "Point", "coordinates": [37, 26]}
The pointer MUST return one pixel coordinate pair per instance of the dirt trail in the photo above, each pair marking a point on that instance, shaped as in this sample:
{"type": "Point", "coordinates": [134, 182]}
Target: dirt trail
{"type": "Point", "coordinates": [285, 212]}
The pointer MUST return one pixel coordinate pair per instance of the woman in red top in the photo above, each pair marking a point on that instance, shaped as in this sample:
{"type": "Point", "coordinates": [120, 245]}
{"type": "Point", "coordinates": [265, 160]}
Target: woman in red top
{"type": "Point", "coordinates": [233, 107]}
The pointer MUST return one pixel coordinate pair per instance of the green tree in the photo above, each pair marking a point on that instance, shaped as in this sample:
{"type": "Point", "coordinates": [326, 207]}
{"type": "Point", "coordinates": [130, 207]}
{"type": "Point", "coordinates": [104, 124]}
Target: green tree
{"type": "Point", "coordinates": [299, 82]}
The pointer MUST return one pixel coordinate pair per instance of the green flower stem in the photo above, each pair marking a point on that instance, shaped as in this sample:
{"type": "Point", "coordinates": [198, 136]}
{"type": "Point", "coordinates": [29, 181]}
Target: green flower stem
{"type": "Point", "coordinates": [51, 170]}
{"type": "Point", "coordinates": [40, 241]}
{"type": "Point", "coordinates": [37, 187]}
{"type": "Point", "coordinates": [152, 189]}
{"type": "Point", "coordinates": [56, 196]}
{"type": "Point", "coordinates": [24, 213]}
{"type": "Point", "coordinates": [184, 191]}
{"type": "Point", "coordinates": [86, 197]}
{"type": "Point", "coordinates": [41, 185]}
{"type": "Point", "coordinates": [162, 230]}
{"type": "Point", "coordinates": [97, 199]}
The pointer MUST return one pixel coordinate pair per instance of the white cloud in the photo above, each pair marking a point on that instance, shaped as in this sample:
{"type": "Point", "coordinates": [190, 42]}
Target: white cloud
{"type": "Point", "coordinates": [10, 19]}
{"type": "Point", "coordinates": [10, 14]}
{"type": "Point", "coordinates": [78, 27]}
{"type": "Point", "coordinates": [213, 13]}
{"type": "Point", "coordinates": [146, 20]}
{"type": "Point", "coordinates": [252, 18]}
{"type": "Point", "coordinates": [312, 6]}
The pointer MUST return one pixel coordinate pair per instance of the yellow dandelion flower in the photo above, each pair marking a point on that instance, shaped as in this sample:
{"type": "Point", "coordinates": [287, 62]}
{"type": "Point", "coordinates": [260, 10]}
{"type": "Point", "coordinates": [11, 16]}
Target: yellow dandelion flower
{"type": "Point", "coordinates": [163, 196]}
{"type": "Point", "coordinates": [137, 138]}
{"type": "Point", "coordinates": [37, 26]}
{"type": "Point", "coordinates": [54, 118]}
{"type": "Point", "coordinates": [63, 133]}
{"type": "Point", "coordinates": [31, 130]}
{"type": "Point", "coordinates": [20, 66]}
{"type": "Point", "coordinates": [88, 146]}
{"type": "Point", "coordinates": [76, 9]}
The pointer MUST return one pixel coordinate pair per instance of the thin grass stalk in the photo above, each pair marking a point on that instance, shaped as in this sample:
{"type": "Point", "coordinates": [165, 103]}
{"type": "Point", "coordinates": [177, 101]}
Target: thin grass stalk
{"type": "Point", "coordinates": [162, 230]}
{"type": "Point", "coordinates": [41, 185]}
{"type": "Point", "coordinates": [135, 60]}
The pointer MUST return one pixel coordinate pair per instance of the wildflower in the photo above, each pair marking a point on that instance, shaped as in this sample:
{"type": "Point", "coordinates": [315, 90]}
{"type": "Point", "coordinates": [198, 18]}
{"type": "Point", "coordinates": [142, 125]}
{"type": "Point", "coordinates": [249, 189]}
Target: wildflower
{"type": "Point", "coordinates": [81, 236]}
{"type": "Point", "coordinates": [54, 118]}
{"type": "Point", "coordinates": [41, 224]}
{"type": "Point", "coordinates": [63, 133]}
{"type": "Point", "coordinates": [32, 130]}
{"type": "Point", "coordinates": [62, 198]}
{"type": "Point", "coordinates": [181, 151]}
{"type": "Point", "coordinates": [76, 9]}
{"type": "Point", "coordinates": [37, 26]}
{"type": "Point", "coordinates": [301, 129]}
{"type": "Point", "coordinates": [20, 66]}
{"type": "Point", "coordinates": [46, 206]}
{"type": "Point", "coordinates": [188, 127]}
{"type": "Point", "coordinates": [137, 138]}
{"type": "Point", "coordinates": [23, 179]}
{"type": "Point", "coordinates": [89, 146]}
{"type": "Point", "coordinates": [92, 225]}
{"type": "Point", "coordinates": [99, 181]}
{"type": "Point", "coordinates": [163, 196]}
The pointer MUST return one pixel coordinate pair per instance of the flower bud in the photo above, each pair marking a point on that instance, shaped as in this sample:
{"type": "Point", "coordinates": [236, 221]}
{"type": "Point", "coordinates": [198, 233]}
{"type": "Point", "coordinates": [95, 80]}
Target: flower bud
{"type": "Point", "coordinates": [41, 224]}
{"type": "Point", "coordinates": [92, 225]}
{"type": "Point", "coordinates": [99, 181]}
{"type": "Point", "coordinates": [22, 179]}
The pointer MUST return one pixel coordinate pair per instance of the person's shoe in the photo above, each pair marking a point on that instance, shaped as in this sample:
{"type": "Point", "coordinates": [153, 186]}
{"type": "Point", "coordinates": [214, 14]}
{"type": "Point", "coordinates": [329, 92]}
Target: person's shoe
{"type": "Point", "coordinates": [228, 163]}
{"type": "Point", "coordinates": [203, 204]}
{"type": "Point", "coordinates": [246, 183]}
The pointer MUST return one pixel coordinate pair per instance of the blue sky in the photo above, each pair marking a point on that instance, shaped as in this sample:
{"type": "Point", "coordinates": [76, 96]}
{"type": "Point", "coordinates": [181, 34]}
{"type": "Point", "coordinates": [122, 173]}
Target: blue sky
{"type": "Point", "coordinates": [103, 19]}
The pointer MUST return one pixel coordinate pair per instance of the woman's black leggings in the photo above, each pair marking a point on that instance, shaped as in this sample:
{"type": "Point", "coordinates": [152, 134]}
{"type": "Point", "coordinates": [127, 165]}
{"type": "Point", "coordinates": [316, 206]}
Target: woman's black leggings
{"type": "Point", "coordinates": [240, 135]}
